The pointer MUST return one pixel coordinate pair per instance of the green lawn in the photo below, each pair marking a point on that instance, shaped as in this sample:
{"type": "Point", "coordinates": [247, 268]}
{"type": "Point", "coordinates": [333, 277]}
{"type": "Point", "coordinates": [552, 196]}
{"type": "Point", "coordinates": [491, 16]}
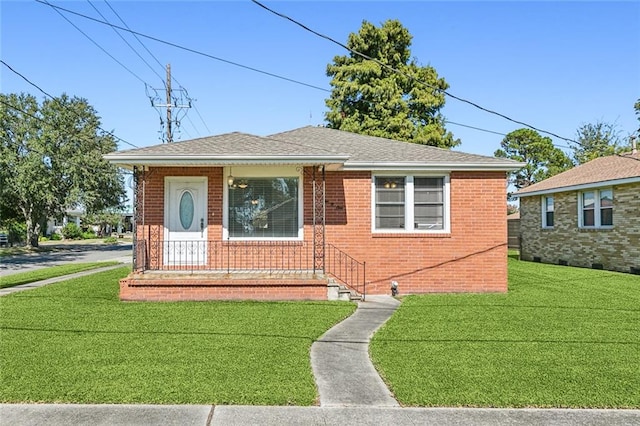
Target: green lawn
{"type": "Point", "coordinates": [76, 342]}
{"type": "Point", "coordinates": [561, 337]}
{"type": "Point", "coordinates": [50, 272]}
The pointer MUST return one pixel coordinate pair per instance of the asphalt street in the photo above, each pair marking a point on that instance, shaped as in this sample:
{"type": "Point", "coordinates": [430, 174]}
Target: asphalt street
{"type": "Point", "coordinates": [60, 254]}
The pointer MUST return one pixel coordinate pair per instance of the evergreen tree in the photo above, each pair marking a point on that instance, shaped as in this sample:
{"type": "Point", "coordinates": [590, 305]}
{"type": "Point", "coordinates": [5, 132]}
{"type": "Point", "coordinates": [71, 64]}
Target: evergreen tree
{"type": "Point", "coordinates": [371, 99]}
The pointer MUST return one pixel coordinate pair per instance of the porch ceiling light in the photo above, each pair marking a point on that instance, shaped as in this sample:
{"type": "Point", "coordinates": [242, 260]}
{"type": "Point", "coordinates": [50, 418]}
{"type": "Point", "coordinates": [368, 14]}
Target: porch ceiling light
{"type": "Point", "coordinates": [230, 178]}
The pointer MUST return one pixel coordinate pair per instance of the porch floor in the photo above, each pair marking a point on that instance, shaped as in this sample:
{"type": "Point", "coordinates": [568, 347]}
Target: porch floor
{"type": "Point", "coordinates": [234, 275]}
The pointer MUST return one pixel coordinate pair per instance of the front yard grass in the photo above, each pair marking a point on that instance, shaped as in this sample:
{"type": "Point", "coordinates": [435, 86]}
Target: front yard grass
{"type": "Point", "coordinates": [561, 337]}
{"type": "Point", "coordinates": [50, 272]}
{"type": "Point", "coordinates": [76, 342]}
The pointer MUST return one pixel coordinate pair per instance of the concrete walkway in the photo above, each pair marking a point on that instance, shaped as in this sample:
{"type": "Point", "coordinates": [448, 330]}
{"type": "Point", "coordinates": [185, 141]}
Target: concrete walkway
{"type": "Point", "coordinates": [36, 284]}
{"type": "Point", "coordinates": [340, 358]}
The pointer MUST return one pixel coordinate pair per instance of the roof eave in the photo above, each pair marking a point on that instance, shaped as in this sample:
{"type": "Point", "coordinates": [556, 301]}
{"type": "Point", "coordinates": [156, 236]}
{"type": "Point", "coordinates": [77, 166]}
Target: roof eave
{"type": "Point", "coordinates": [128, 161]}
{"type": "Point", "coordinates": [381, 166]}
{"type": "Point", "coordinates": [580, 187]}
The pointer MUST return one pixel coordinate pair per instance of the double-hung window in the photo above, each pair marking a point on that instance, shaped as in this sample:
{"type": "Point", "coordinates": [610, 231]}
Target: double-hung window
{"type": "Point", "coordinates": [596, 208]}
{"type": "Point", "coordinates": [548, 210]}
{"type": "Point", "coordinates": [410, 203]}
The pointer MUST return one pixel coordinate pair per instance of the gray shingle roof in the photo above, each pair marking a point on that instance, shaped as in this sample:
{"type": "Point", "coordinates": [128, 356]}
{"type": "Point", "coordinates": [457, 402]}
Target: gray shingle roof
{"type": "Point", "coordinates": [307, 145]}
{"type": "Point", "coordinates": [371, 149]}
{"type": "Point", "coordinates": [599, 170]}
{"type": "Point", "coordinates": [228, 144]}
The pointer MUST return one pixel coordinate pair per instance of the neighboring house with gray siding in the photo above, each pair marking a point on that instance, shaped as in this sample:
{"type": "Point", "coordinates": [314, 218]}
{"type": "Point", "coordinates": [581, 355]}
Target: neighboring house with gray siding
{"type": "Point", "coordinates": [588, 216]}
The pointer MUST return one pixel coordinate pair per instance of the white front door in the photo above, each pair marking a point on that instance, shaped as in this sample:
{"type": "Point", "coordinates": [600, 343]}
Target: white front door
{"type": "Point", "coordinates": [185, 221]}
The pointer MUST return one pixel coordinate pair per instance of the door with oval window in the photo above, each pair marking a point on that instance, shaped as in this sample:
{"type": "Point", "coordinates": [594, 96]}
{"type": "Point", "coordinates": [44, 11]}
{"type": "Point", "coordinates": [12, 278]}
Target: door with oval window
{"type": "Point", "coordinates": [185, 221]}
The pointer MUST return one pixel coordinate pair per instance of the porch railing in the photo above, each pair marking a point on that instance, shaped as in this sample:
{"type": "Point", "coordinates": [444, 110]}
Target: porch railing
{"type": "Point", "coordinates": [346, 269]}
{"type": "Point", "coordinates": [248, 256]}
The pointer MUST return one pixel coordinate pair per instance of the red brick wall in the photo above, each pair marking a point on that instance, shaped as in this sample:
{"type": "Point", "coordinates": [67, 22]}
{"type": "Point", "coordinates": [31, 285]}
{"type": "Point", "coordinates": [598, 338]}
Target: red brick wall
{"type": "Point", "coordinates": [471, 258]}
{"type": "Point", "coordinates": [135, 288]}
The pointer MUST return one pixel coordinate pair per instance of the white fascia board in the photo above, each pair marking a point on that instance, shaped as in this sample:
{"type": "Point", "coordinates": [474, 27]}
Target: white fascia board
{"type": "Point", "coordinates": [202, 160]}
{"type": "Point", "coordinates": [581, 187]}
{"type": "Point", "coordinates": [439, 167]}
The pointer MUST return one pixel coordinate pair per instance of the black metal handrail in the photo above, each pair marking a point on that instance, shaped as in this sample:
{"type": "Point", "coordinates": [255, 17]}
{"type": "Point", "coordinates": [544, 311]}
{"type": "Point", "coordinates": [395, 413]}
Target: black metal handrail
{"type": "Point", "coordinates": [346, 269]}
{"type": "Point", "coordinates": [228, 256]}
{"type": "Point", "coordinates": [243, 256]}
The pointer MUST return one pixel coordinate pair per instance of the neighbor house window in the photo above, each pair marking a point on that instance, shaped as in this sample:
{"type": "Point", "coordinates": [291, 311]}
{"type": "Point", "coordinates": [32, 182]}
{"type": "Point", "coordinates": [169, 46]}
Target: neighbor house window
{"type": "Point", "coordinates": [596, 208]}
{"type": "Point", "coordinates": [410, 203]}
{"type": "Point", "coordinates": [548, 210]}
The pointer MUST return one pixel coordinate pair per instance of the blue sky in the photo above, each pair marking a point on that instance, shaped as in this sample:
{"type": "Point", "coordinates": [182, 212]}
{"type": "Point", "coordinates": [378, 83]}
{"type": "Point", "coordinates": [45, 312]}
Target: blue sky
{"type": "Point", "coordinates": [555, 65]}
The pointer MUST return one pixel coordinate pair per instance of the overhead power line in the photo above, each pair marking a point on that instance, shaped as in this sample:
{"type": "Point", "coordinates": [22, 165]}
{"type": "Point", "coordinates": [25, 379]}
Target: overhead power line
{"type": "Point", "coordinates": [187, 49]}
{"type": "Point", "coordinates": [126, 42]}
{"type": "Point", "coordinates": [52, 97]}
{"type": "Point", "coordinates": [390, 68]}
{"type": "Point", "coordinates": [94, 42]}
{"type": "Point", "coordinates": [195, 107]}
{"type": "Point", "coordinates": [137, 38]}
{"type": "Point", "coordinates": [250, 68]}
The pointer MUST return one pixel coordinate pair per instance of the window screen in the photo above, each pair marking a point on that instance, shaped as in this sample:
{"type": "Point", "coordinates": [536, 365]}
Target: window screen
{"type": "Point", "coordinates": [264, 208]}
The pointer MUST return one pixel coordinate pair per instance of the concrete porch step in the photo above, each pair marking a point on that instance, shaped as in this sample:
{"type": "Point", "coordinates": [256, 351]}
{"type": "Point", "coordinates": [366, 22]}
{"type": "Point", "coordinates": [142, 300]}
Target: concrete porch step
{"type": "Point", "coordinates": [337, 291]}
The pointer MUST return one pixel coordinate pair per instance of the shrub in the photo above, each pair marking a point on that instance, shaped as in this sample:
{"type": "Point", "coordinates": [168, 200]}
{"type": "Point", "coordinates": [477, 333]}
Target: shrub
{"type": "Point", "coordinates": [72, 231]}
{"type": "Point", "coordinates": [111, 240]}
{"type": "Point", "coordinates": [16, 230]}
{"type": "Point", "coordinates": [55, 237]}
{"type": "Point", "coordinates": [87, 235]}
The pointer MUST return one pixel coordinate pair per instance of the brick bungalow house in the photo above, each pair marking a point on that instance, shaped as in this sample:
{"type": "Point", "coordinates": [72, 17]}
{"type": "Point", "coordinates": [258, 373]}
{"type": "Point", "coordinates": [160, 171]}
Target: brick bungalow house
{"type": "Point", "coordinates": [306, 213]}
{"type": "Point", "coordinates": [588, 216]}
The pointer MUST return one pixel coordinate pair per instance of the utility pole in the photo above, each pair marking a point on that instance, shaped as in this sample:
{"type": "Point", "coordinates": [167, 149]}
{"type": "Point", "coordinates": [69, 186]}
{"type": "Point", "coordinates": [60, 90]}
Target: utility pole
{"type": "Point", "coordinates": [169, 135]}
{"type": "Point", "coordinates": [177, 100]}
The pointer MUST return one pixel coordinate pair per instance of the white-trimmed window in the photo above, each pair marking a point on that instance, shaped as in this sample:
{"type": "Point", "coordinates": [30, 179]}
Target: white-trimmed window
{"type": "Point", "coordinates": [595, 208]}
{"type": "Point", "coordinates": [263, 204]}
{"type": "Point", "coordinates": [548, 212]}
{"type": "Point", "coordinates": [410, 203]}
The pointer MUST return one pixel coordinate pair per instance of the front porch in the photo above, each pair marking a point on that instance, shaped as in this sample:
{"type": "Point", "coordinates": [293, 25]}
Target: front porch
{"type": "Point", "coordinates": [237, 270]}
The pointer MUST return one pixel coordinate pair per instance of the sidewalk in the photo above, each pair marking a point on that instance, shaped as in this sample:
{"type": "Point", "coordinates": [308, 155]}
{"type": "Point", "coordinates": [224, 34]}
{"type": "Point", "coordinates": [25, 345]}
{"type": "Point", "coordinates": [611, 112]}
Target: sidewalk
{"type": "Point", "coordinates": [226, 415]}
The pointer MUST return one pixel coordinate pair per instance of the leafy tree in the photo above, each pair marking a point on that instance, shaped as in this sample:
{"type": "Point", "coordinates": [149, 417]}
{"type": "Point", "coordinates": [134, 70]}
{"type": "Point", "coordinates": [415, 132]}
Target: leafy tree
{"type": "Point", "coordinates": [596, 140]}
{"type": "Point", "coordinates": [370, 99]}
{"type": "Point", "coordinates": [512, 208]}
{"type": "Point", "coordinates": [51, 159]}
{"type": "Point", "coordinates": [104, 219]}
{"type": "Point", "coordinates": [542, 160]}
